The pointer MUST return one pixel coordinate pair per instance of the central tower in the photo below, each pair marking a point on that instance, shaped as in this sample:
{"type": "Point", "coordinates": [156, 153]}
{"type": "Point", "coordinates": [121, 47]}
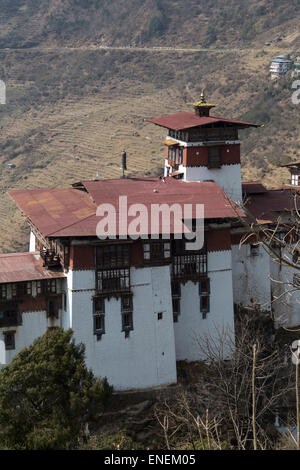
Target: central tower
{"type": "Point", "coordinates": [201, 147]}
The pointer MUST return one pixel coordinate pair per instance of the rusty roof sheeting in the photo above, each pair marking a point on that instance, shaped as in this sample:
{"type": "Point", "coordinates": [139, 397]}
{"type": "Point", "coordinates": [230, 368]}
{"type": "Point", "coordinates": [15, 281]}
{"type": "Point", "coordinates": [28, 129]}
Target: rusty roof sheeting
{"type": "Point", "coordinates": [72, 213]}
{"type": "Point", "coordinates": [21, 267]}
{"type": "Point", "coordinates": [253, 187]}
{"type": "Point", "coordinates": [187, 120]}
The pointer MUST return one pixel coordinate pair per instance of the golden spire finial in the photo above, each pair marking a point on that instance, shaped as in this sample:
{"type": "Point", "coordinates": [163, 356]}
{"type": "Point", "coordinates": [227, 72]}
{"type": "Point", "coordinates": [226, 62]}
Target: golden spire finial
{"type": "Point", "coordinates": [202, 97]}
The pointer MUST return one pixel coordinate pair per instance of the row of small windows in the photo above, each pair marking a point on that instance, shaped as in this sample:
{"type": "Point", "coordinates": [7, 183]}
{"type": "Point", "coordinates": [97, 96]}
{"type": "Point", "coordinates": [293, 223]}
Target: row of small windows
{"type": "Point", "coordinates": [25, 288]}
{"type": "Point", "coordinates": [204, 293]}
{"type": "Point", "coordinates": [180, 135]}
{"type": "Point", "coordinates": [126, 315]}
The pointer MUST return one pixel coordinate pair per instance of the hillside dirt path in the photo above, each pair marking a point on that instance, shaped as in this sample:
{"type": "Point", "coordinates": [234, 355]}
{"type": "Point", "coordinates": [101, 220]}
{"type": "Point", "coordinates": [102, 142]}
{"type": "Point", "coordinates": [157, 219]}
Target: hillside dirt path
{"type": "Point", "coordinates": [138, 49]}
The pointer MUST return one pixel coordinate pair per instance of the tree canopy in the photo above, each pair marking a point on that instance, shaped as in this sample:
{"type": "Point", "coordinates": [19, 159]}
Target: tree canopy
{"type": "Point", "coordinates": [48, 396]}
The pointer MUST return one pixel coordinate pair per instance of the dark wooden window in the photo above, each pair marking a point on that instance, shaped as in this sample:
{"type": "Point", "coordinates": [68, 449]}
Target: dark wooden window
{"type": "Point", "coordinates": [214, 157]}
{"type": "Point", "coordinates": [113, 280]}
{"type": "Point", "coordinates": [113, 256]}
{"type": "Point", "coordinates": [3, 291]}
{"type": "Point", "coordinates": [113, 268]}
{"type": "Point", "coordinates": [126, 303]}
{"type": "Point", "coordinates": [21, 288]}
{"type": "Point", "coordinates": [9, 340]}
{"type": "Point", "coordinates": [159, 316]}
{"type": "Point", "coordinates": [126, 312]}
{"type": "Point", "coordinates": [189, 267]}
{"type": "Point", "coordinates": [50, 286]}
{"type": "Point", "coordinates": [39, 287]}
{"type": "Point", "coordinates": [176, 289]}
{"type": "Point", "coordinates": [204, 287]}
{"type": "Point", "coordinates": [127, 321]}
{"type": "Point", "coordinates": [156, 251]}
{"type": "Point", "coordinates": [52, 307]}
{"type": "Point", "coordinates": [204, 292]}
{"type": "Point", "coordinates": [99, 316]}
{"type": "Point", "coordinates": [9, 315]}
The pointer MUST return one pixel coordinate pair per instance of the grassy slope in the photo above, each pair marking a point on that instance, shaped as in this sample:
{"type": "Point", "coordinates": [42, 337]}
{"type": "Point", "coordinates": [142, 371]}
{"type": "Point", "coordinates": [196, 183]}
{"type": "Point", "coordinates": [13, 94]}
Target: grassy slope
{"type": "Point", "coordinates": [69, 114]}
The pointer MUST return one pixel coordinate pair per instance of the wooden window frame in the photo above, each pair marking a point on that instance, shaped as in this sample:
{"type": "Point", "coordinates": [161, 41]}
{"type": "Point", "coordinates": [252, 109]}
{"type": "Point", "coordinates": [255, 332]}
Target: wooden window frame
{"type": "Point", "coordinates": [12, 346]}
{"type": "Point", "coordinates": [3, 295]}
{"type": "Point", "coordinates": [21, 289]}
{"type": "Point", "coordinates": [115, 256]}
{"type": "Point", "coordinates": [113, 281]}
{"type": "Point", "coordinates": [10, 315]}
{"type": "Point", "coordinates": [99, 314]}
{"type": "Point", "coordinates": [157, 251]}
{"type": "Point", "coordinates": [55, 313]}
{"type": "Point", "coordinates": [204, 293]}
{"type": "Point", "coordinates": [127, 326]}
{"type": "Point", "coordinates": [129, 307]}
{"type": "Point", "coordinates": [214, 161]}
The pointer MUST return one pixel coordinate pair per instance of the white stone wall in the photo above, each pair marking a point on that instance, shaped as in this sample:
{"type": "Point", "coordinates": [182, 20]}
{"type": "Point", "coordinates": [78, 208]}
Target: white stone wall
{"type": "Point", "coordinates": [251, 277]}
{"type": "Point", "coordinates": [228, 177]}
{"type": "Point", "coordinates": [34, 324]}
{"type": "Point", "coordinates": [191, 326]}
{"type": "Point", "coordinates": [286, 297]}
{"type": "Point", "coordinates": [147, 357]}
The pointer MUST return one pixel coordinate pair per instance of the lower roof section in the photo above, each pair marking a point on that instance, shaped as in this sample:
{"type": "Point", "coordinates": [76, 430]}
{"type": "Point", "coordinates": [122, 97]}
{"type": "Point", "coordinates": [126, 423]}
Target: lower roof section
{"type": "Point", "coordinates": [21, 267]}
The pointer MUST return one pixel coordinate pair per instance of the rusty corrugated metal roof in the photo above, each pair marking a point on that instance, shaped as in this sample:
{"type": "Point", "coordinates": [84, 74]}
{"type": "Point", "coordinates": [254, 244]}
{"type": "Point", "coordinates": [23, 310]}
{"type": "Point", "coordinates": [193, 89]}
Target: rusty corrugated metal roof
{"type": "Point", "coordinates": [72, 213]}
{"type": "Point", "coordinates": [21, 267]}
{"type": "Point", "coordinates": [267, 206]}
{"type": "Point", "coordinates": [187, 120]}
{"type": "Point", "coordinates": [253, 187]}
{"type": "Point", "coordinates": [51, 210]}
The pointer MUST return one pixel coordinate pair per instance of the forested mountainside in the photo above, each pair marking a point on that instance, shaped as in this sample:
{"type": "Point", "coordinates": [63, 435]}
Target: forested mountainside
{"type": "Point", "coordinates": [72, 106]}
{"type": "Point", "coordinates": [27, 23]}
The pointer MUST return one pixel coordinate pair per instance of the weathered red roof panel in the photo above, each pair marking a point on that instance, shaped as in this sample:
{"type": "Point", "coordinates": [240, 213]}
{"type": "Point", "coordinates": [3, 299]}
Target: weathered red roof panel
{"type": "Point", "coordinates": [21, 267]}
{"type": "Point", "coordinates": [267, 206]}
{"type": "Point", "coordinates": [70, 212]}
{"type": "Point", "coordinates": [187, 120]}
{"type": "Point", "coordinates": [253, 187]}
{"type": "Point", "coordinates": [51, 210]}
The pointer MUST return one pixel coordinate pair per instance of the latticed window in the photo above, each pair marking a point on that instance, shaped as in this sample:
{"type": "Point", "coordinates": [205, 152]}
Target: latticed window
{"type": "Point", "coordinates": [50, 286]}
{"type": "Point", "coordinates": [113, 280]}
{"type": "Point", "coordinates": [3, 291]}
{"type": "Point", "coordinates": [189, 267]}
{"type": "Point", "coordinates": [21, 288]}
{"type": "Point", "coordinates": [9, 315]}
{"type": "Point", "coordinates": [113, 268]}
{"type": "Point", "coordinates": [9, 340]}
{"type": "Point", "coordinates": [127, 314]}
{"type": "Point", "coordinates": [156, 251]}
{"type": "Point", "coordinates": [113, 256]}
{"type": "Point", "coordinates": [99, 316]}
{"type": "Point", "coordinates": [204, 292]}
